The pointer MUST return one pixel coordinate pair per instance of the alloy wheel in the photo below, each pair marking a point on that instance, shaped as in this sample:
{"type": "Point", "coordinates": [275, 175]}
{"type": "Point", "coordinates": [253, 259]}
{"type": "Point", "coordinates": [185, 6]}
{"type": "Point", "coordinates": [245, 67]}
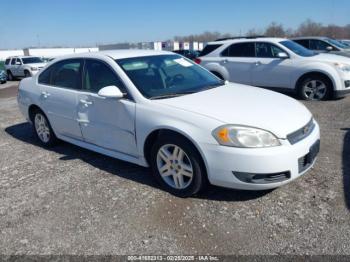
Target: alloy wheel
{"type": "Point", "coordinates": [315, 89]}
{"type": "Point", "coordinates": [42, 128]}
{"type": "Point", "coordinates": [174, 166]}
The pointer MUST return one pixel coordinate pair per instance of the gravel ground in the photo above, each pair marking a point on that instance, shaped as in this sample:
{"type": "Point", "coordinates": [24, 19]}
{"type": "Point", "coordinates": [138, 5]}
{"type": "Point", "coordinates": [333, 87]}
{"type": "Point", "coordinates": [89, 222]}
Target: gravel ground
{"type": "Point", "coordinates": [72, 201]}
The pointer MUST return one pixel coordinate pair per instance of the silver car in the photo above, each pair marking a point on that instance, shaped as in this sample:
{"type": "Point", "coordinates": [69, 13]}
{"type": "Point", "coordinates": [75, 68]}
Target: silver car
{"type": "Point", "coordinates": [324, 45]}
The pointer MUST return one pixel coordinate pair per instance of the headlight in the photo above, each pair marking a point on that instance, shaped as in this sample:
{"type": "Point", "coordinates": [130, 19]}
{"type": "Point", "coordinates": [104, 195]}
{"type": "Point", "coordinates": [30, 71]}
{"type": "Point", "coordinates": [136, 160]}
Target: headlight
{"type": "Point", "coordinates": [33, 68]}
{"type": "Point", "coordinates": [248, 137]}
{"type": "Point", "coordinates": [343, 67]}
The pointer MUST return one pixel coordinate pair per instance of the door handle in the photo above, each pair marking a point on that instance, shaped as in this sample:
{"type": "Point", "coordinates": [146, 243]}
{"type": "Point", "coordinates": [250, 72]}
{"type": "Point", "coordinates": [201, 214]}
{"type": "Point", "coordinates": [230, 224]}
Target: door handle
{"type": "Point", "coordinates": [257, 63]}
{"type": "Point", "coordinates": [45, 94]}
{"type": "Point", "coordinates": [225, 61]}
{"type": "Point", "coordinates": [85, 102]}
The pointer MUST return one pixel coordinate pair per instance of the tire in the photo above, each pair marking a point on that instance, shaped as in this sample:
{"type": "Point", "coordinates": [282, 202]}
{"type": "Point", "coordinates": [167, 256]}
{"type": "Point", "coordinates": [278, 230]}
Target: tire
{"type": "Point", "coordinates": [181, 165]}
{"type": "Point", "coordinates": [315, 88]}
{"type": "Point", "coordinates": [10, 76]}
{"type": "Point", "coordinates": [218, 75]}
{"type": "Point", "coordinates": [27, 74]}
{"type": "Point", "coordinates": [43, 129]}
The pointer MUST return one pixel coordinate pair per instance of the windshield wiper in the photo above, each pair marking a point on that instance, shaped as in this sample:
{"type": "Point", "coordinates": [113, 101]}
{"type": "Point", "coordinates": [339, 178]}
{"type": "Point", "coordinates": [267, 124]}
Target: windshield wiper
{"type": "Point", "coordinates": [172, 95]}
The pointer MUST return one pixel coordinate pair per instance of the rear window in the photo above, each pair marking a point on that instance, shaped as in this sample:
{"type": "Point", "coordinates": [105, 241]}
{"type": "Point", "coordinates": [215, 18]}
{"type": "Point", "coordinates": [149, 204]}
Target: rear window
{"type": "Point", "coordinates": [7, 61]}
{"type": "Point", "coordinates": [209, 48]}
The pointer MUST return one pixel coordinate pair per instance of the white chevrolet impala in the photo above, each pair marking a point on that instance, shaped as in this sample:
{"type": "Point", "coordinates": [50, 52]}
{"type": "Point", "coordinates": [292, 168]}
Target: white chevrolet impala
{"type": "Point", "coordinates": [161, 110]}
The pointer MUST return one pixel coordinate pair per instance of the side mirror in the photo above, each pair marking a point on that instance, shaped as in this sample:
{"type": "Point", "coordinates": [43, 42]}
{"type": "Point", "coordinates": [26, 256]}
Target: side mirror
{"type": "Point", "coordinates": [282, 55]}
{"type": "Point", "coordinates": [18, 63]}
{"type": "Point", "coordinates": [111, 92]}
{"type": "Point", "coordinates": [329, 48]}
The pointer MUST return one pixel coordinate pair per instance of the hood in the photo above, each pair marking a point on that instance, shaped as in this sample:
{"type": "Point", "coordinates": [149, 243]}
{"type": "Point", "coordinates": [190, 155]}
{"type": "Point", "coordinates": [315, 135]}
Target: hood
{"type": "Point", "coordinates": [331, 58]}
{"type": "Point", "coordinates": [39, 65]}
{"type": "Point", "coordinates": [248, 106]}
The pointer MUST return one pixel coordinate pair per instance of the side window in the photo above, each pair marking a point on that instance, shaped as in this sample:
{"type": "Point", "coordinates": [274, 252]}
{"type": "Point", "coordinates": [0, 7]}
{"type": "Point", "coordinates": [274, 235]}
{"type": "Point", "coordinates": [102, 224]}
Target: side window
{"type": "Point", "coordinates": [303, 42]}
{"type": "Point", "coordinates": [267, 50]}
{"type": "Point", "coordinates": [67, 74]}
{"type": "Point", "coordinates": [13, 61]}
{"type": "Point", "coordinates": [240, 50]}
{"type": "Point", "coordinates": [98, 75]}
{"type": "Point", "coordinates": [7, 61]}
{"type": "Point", "coordinates": [318, 45]}
{"type": "Point", "coordinates": [208, 49]}
{"type": "Point", "coordinates": [45, 76]}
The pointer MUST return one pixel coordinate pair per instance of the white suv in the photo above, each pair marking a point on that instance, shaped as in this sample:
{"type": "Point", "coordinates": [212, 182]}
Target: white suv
{"type": "Point", "coordinates": [278, 63]}
{"type": "Point", "coordinates": [23, 66]}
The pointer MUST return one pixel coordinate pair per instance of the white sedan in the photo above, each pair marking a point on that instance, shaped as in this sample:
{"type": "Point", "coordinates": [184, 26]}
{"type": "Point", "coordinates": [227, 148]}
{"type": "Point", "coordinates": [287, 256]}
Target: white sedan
{"type": "Point", "coordinates": [161, 110]}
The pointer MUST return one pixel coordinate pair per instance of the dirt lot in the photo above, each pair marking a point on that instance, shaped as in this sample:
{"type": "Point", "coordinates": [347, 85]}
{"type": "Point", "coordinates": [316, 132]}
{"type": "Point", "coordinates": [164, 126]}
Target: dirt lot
{"type": "Point", "coordinates": [72, 201]}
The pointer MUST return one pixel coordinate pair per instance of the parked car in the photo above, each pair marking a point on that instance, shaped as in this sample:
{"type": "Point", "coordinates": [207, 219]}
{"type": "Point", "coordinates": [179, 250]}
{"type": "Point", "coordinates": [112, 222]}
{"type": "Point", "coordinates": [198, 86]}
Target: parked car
{"type": "Point", "coordinates": [345, 41]}
{"type": "Point", "coordinates": [279, 64]}
{"type": "Point", "coordinates": [159, 109]}
{"type": "Point", "coordinates": [3, 77]}
{"type": "Point", "coordinates": [190, 54]}
{"type": "Point", "coordinates": [23, 66]}
{"type": "Point", "coordinates": [324, 45]}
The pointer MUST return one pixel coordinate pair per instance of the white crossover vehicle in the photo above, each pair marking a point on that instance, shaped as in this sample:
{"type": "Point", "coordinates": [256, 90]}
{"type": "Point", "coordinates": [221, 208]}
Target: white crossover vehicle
{"type": "Point", "coordinates": [279, 64]}
{"type": "Point", "coordinates": [159, 109]}
{"type": "Point", "coordinates": [23, 66]}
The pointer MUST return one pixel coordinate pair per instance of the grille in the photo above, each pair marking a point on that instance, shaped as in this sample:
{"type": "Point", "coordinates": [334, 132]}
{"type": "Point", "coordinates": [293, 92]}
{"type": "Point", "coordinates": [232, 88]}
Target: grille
{"type": "Point", "coordinates": [301, 133]}
{"type": "Point", "coordinates": [306, 161]}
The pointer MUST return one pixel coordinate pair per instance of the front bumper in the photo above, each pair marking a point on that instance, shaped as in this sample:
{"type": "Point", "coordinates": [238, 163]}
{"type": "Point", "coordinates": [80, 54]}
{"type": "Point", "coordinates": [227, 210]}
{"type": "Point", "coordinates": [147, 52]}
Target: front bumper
{"type": "Point", "coordinates": [341, 93]}
{"type": "Point", "coordinates": [223, 162]}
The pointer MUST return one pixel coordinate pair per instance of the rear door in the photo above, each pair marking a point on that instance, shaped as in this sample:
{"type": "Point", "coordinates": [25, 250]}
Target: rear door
{"type": "Point", "coordinates": [59, 85]}
{"type": "Point", "coordinates": [239, 61]}
{"type": "Point", "coordinates": [269, 70]}
{"type": "Point", "coordinates": [106, 122]}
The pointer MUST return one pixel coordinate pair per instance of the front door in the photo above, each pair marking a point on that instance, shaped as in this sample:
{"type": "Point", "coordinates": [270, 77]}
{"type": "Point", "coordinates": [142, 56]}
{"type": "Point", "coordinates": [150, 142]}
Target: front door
{"type": "Point", "coordinates": [105, 122]}
{"type": "Point", "coordinates": [269, 70]}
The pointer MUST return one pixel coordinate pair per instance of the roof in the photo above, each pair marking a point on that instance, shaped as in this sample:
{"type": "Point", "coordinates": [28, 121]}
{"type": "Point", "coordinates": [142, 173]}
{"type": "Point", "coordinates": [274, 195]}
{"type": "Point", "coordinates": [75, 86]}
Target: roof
{"type": "Point", "coordinates": [22, 56]}
{"type": "Point", "coordinates": [119, 54]}
{"type": "Point", "coordinates": [310, 37]}
{"type": "Point", "coordinates": [258, 39]}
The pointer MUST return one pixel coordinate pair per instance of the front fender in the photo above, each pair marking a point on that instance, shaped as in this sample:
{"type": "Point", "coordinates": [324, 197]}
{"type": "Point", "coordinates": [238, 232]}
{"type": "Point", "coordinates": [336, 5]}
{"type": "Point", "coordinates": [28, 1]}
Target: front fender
{"type": "Point", "coordinates": [322, 68]}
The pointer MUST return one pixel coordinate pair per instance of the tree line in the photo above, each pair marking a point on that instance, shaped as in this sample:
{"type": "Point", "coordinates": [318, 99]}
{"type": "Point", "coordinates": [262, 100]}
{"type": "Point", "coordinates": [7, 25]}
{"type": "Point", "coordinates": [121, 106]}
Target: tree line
{"type": "Point", "coordinates": [307, 28]}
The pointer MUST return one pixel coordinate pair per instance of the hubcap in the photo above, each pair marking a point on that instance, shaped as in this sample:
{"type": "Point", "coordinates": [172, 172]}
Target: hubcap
{"type": "Point", "coordinates": [174, 166]}
{"type": "Point", "coordinates": [42, 128]}
{"type": "Point", "coordinates": [315, 90]}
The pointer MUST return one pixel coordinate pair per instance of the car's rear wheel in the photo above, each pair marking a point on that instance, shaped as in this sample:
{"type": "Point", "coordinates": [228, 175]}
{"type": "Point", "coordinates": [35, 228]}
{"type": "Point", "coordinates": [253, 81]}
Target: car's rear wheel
{"type": "Point", "coordinates": [43, 129]}
{"type": "Point", "coordinates": [177, 166]}
{"type": "Point", "coordinates": [315, 88]}
{"type": "Point", "coordinates": [10, 76]}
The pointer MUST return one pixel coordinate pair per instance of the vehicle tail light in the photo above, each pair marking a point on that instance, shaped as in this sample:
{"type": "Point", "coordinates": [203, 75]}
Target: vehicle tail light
{"type": "Point", "coordinates": [197, 61]}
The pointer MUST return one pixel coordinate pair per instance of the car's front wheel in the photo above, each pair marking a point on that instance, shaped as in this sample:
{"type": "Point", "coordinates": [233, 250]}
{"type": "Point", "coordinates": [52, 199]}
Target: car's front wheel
{"type": "Point", "coordinates": [177, 166]}
{"type": "Point", "coordinates": [27, 74]}
{"type": "Point", "coordinates": [43, 130]}
{"type": "Point", "coordinates": [315, 88]}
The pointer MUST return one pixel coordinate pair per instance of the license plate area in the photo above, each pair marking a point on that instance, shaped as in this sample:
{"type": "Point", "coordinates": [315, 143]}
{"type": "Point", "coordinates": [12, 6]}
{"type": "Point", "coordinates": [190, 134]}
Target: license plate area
{"type": "Point", "coordinates": [306, 161]}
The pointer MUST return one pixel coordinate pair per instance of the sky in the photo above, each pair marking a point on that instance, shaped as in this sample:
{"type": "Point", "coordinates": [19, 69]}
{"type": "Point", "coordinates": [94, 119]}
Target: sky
{"type": "Point", "coordinates": [25, 23]}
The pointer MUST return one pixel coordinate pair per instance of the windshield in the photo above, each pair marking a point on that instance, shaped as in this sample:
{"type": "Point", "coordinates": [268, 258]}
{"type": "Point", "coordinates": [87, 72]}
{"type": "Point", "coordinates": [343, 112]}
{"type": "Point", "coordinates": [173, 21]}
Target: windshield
{"type": "Point", "coordinates": [32, 60]}
{"type": "Point", "coordinates": [337, 43]}
{"type": "Point", "coordinates": [165, 76]}
{"type": "Point", "coordinates": [298, 49]}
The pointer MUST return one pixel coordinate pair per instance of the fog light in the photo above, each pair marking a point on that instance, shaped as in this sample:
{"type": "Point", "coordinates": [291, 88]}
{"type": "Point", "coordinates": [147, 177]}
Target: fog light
{"type": "Point", "coordinates": [347, 83]}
